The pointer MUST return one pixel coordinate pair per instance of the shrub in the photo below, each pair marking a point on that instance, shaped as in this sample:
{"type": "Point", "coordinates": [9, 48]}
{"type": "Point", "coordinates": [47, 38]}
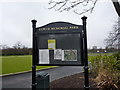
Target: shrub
{"type": "Point", "coordinates": [106, 69]}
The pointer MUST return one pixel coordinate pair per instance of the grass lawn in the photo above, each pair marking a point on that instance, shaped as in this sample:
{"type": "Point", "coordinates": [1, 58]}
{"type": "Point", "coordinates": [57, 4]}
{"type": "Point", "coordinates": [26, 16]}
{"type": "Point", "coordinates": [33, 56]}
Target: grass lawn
{"type": "Point", "coordinates": [13, 64]}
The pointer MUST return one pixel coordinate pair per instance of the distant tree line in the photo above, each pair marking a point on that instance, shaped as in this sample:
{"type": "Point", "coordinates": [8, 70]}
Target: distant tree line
{"type": "Point", "coordinates": [17, 49]}
{"type": "Point", "coordinates": [13, 51]}
{"type": "Point", "coordinates": [20, 49]}
{"type": "Point", "coordinates": [28, 51]}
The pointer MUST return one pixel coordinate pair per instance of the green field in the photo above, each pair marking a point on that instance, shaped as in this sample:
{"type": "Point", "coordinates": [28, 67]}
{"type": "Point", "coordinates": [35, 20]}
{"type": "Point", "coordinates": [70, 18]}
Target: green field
{"type": "Point", "coordinates": [13, 64]}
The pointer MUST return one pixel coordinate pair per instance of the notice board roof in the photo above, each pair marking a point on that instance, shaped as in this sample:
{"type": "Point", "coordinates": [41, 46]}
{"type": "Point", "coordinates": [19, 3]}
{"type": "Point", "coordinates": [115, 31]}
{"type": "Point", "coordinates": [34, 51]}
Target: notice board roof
{"type": "Point", "coordinates": [57, 25]}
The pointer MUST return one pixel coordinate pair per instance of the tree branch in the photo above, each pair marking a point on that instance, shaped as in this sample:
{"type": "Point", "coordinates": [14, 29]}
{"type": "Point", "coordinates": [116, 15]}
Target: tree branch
{"type": "Point", "coordinates": [56, 3]}
{"type": "Point", "coordinates": [67, 5]}
{"type": "Point", "coordinates": [117, 6]}
{"type": "Point", "coordinates": [87, 10]}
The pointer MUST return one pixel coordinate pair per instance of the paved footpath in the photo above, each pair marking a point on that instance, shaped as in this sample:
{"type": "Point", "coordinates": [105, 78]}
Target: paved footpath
{"type": "Point", "coordinates": [25, 80]}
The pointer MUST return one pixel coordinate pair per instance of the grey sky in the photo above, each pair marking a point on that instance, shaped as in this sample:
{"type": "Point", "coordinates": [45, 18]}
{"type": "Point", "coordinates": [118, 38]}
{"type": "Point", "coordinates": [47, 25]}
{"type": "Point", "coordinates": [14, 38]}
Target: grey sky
{"type": "Point", "coordinates": [15, 21]}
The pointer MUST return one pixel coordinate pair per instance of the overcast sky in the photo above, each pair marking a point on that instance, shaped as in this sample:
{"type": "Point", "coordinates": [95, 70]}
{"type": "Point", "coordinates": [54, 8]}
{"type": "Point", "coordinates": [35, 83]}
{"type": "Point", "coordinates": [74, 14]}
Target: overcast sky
{"type": "Point", "coordinates": [15, 21]}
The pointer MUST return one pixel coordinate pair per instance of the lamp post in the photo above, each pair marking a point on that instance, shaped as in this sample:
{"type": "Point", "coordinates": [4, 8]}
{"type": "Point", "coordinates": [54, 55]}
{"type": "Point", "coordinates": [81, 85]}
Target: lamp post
{"type": "Point", "coordinates": [86, 82]}
{"type": "Point", "coordinates": [34, 56]}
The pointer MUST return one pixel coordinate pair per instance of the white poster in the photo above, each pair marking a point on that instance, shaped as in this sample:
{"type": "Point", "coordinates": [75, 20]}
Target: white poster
{"type": "Point", "coordinates": [57, 54]}
{"type": "Point", "coordinates": [44, 56]}
{"type": "Point", "coordinates": [62, 55]}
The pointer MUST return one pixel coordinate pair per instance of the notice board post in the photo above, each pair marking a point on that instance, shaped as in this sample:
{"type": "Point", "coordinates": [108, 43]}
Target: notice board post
{"type": "Point", "coordinates": [34, 56]}
{"type": "Point", "coordinates": [85, 55]}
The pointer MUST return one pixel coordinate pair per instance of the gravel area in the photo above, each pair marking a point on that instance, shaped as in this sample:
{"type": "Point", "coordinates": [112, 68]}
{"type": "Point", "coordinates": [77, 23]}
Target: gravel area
{"type": "Point", "coordinates": [75, 81]}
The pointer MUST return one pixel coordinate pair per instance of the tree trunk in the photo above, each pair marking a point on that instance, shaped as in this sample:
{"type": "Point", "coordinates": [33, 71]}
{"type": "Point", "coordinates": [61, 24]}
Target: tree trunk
{"type": "Point", "coordinates": [117, 6]}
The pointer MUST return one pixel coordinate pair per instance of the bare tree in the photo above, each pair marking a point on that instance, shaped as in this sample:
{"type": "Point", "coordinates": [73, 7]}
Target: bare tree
{"type": "Point", "coordinates": [18, 45]}
{"type": "Point", "coordinates": [5, 46]}
{"type": "Point", "coordinates": [88, 5]}
{"type": "Point", "coordinates": [113, 39]}
{"type": "Point", "coordinates": [67, 5]}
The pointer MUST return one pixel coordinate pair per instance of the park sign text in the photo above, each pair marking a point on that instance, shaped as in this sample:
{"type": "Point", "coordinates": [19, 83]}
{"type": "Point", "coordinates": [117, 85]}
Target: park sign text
{"type": "Point", "coordinates": [60, 28]}
{"type": "Point", "coordinates": [59, 44]}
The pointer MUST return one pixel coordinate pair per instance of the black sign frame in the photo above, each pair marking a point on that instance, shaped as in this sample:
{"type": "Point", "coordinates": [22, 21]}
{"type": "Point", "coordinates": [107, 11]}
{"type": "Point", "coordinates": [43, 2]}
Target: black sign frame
{"type": "Point", "coordinates": [56, 29]}
{"type": "Point", "coordinates": [84, 49]}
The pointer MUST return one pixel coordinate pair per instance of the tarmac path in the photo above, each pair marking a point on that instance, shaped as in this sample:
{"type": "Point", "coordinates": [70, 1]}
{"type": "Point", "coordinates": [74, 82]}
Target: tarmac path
{"type": "Point", "coordinates": [25, 80]}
